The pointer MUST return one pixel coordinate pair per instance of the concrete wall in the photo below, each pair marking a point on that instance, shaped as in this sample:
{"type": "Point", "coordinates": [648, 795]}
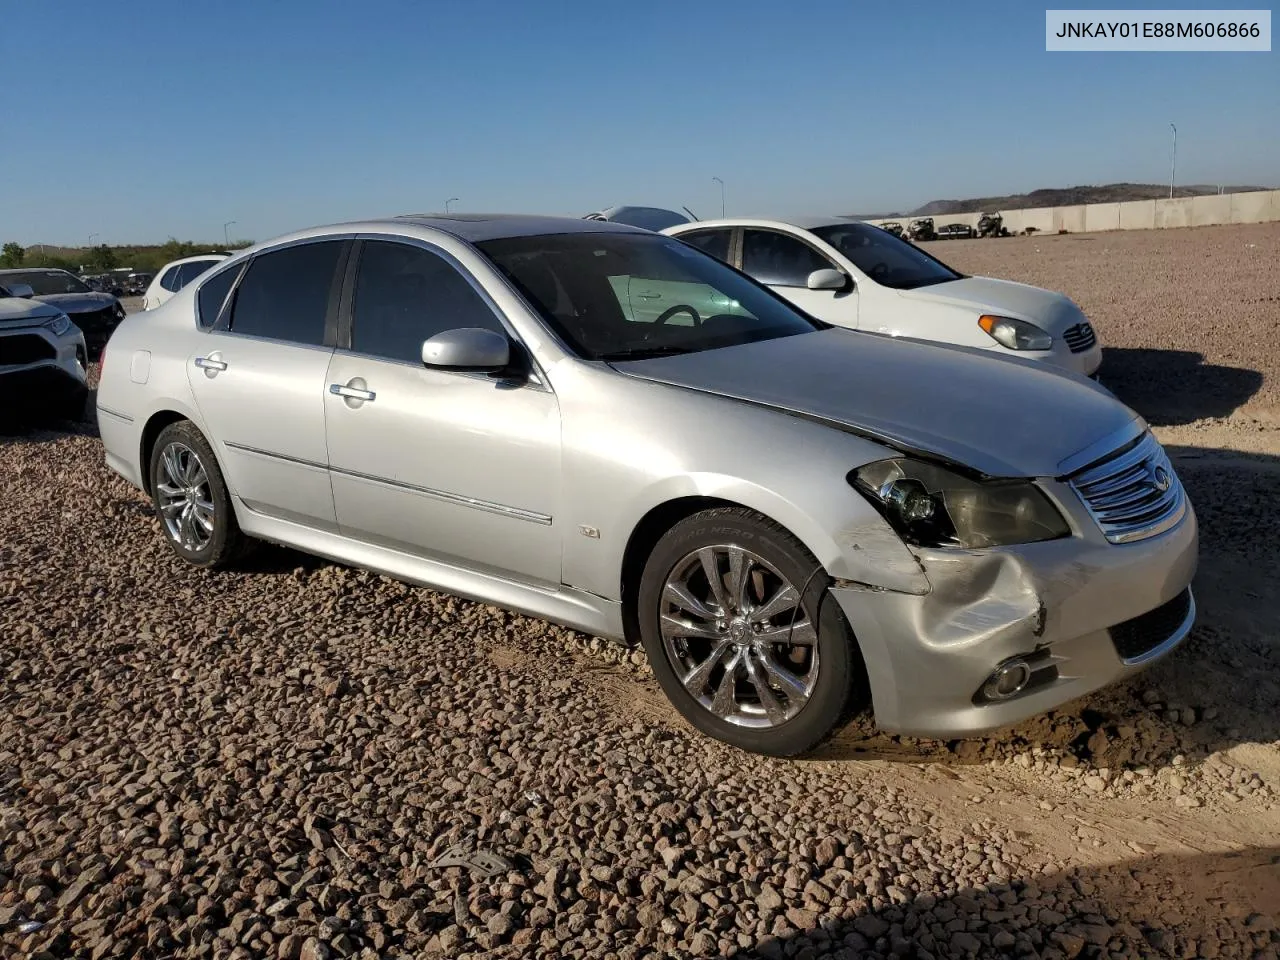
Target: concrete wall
{"type": "Point", "coordinates": [1259, 207]}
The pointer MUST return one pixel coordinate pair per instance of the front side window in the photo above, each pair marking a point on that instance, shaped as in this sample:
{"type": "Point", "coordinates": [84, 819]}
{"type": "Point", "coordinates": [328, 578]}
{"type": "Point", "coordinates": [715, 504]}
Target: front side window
{"type": "Point", "coordinates": [620, 296]}
{"type": "Point", "coordinates": [885, 258]}
{"type": "Point", "coordinates": [405, 295]}
{"type": "Point", "coordinates": [46, 282]}
{"type": "Point", "coordinates": [285, 293]}
{"type": "Point", "coordinates": [714, 242]}
{"type": "Point", "coordinates": [778, 259]}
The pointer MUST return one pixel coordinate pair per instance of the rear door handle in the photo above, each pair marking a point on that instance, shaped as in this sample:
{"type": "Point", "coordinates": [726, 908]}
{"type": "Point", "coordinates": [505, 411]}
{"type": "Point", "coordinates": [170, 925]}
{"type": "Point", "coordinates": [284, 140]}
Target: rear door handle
{"type": "Point", "coordinates": [208, 363]}
{"type": "Point", "coordinates": [351, 393]}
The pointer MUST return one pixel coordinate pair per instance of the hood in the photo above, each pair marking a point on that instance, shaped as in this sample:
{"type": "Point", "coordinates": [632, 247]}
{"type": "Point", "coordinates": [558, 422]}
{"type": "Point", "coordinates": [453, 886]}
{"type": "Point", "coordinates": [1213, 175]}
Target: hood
{"type": "Point", "coordinates": [1000, 416]}
{"type": "Point", "coordinates": [73, 303]}
{"type": "Point", "coordinates": [1052, 312]}
{"type": "Point", "coordinates": [13, 309]}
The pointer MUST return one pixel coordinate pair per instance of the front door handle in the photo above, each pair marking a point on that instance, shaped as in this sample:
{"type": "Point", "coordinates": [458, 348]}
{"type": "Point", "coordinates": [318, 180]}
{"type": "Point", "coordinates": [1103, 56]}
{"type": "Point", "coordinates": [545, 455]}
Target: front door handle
{"type": "Point", "coordinates": [649, 296]}
{"type": "Point", "coordinates": [210, 363]}
{"type": "Point", "coordinates": [351, 393]}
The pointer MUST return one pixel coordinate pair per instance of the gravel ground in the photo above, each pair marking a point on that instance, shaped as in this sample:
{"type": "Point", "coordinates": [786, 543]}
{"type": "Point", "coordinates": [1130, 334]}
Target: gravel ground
{"type": "Point", "coordinates": [282, 761]}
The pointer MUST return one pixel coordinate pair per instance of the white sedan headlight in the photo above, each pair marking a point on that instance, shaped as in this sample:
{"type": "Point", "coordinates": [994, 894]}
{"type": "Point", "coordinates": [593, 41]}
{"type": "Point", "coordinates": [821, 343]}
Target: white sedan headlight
{"type": "Point", "coordinates": [1015, 334]}
{"type": "Point", "coordinates": [58, 325]}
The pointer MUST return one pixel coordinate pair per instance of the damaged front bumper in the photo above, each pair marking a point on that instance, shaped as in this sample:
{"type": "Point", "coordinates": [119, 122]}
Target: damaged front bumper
{"type": "Point", "coordinates": [1052, 604]}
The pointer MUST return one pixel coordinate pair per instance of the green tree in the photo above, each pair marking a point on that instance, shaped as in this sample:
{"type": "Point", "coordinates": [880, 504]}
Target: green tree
{"type": "Point", "coordinates": [102, 257]}
{"type": "Point", "coordinates": [11, 255]}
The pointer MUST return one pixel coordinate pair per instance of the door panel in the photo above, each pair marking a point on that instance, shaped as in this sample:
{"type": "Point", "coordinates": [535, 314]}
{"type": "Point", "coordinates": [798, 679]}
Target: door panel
{"type": "Point", "coordinates": [259, 378]}
{"type": "Point", "coordinates": [264, 415]}
{"type": "Point", "coordinates": [452, 466]}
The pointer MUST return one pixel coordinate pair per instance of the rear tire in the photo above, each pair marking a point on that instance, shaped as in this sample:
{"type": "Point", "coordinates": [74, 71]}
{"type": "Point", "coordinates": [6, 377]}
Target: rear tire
{"type": "Point", "coordinates": [191, 499]}
{"type": "Point", "coordinates": [742, 660]}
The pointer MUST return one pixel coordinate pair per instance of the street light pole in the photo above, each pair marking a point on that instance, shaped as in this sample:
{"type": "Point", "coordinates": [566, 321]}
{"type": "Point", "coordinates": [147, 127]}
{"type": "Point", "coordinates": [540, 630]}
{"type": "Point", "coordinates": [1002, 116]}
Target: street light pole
{"type": "Point", "coordinates": [447, 202]}
{"type": "Point", "coordinates": [226, 237]}
{"type": "Point", "coordinates": [1173, 160]}
{"type": "Point", "coordinates": [721, 182]}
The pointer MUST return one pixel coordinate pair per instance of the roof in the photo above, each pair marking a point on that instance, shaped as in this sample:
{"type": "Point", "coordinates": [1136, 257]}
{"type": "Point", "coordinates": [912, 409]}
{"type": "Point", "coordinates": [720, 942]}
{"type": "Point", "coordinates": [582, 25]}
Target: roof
{"type": "Point", "coordinates": [803, 223]}
{"type": "Point", "coordinates": [478, 227]}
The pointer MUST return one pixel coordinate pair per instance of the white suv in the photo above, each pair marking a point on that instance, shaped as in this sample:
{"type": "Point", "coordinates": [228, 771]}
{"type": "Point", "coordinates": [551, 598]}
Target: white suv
{"type": "Point", "coordinates": [172, 277]}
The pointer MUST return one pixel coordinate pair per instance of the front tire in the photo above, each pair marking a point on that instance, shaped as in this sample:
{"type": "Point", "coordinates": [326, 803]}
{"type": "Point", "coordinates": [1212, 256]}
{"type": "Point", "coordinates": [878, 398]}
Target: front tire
{"type": "Point", "coordinates": [191, 498]}
{"type": "Point", "coordinates": [744, 637]}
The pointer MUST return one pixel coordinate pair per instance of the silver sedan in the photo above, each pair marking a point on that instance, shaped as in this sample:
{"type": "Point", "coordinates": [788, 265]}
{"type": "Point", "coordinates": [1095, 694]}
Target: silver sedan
{"type": "Point", "coordinates": [608, 428]}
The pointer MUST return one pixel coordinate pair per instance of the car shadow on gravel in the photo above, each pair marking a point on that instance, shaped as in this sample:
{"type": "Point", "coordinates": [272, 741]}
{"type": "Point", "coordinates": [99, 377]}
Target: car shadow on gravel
{"type": "Point", "coordinates": [1162, 905]}
{"type": "Point", "coordinates": [1176, 387]}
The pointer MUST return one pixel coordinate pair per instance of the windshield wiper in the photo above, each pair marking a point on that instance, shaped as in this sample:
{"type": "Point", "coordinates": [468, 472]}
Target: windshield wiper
{"type": "Point", "coordinates": [644, 353]}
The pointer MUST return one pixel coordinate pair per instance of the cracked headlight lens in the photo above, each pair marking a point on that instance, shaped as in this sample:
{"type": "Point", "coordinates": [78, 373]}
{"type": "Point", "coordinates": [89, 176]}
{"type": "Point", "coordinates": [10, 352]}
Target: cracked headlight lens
{"type": "Point", "coordinates": [931, 506]}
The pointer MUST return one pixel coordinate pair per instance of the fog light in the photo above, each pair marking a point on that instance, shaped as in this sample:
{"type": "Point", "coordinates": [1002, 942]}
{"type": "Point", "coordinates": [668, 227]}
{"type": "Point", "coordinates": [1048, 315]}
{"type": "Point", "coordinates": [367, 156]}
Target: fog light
{"type": "Point", "coordinates": [1008, 680]}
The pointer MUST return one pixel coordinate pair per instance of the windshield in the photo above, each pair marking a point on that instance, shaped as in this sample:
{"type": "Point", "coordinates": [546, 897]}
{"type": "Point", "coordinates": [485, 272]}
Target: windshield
{"type": "Point", "coordinates": [625, 296]}
{"type": "Point", "coordinates": [44, 282]}
{"type": "Point", "coordinates": [885, 258]}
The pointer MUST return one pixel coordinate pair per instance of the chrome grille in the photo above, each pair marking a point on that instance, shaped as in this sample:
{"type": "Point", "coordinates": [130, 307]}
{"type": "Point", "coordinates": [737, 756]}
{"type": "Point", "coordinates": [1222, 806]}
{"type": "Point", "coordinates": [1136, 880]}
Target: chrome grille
{"type": "Point", "coordinates": [1124, 496]}
{"type": "Point", "coordinates": [1080, 337]}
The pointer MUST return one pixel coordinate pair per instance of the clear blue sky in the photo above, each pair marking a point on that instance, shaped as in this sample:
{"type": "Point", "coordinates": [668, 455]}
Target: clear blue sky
{"type": "Point", "coordinates": [141, 121]}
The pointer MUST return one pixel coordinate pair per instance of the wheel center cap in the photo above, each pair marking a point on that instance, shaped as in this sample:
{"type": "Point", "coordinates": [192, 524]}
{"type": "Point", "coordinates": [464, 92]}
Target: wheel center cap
{"type": "Point", "coordinates": [738, 631]}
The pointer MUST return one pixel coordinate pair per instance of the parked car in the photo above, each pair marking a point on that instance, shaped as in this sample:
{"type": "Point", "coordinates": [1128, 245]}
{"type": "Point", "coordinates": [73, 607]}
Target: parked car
{"type": "Point", "coordinates": [648, 218]}
{"type": "Point", "coordinates": [955, 231]}
{"type": "Point", "coordinates": [175, 275]}
{"type": "Point", "coordinates": [788, 516]}
{"type": "Point", "coordinates": [42, 359]}
{"type": "Point", "coordinates": [94, 312]}
{"type": "Point", "coordinates": [855, 275]}
{"type": "Point", "coordinates": [135, 285]}
{"type": "Point", "coordinates": [894, 227]}
{"type": "Point", "coordinates": [921, 229]}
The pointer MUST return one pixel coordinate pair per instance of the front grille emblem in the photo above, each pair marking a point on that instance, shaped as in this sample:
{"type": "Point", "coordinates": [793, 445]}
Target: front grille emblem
{"type": "Point", "coordinates": [1160, 478]}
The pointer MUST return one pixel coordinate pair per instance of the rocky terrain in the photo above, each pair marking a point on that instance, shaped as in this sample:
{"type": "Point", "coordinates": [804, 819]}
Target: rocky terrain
{"type": "Point", "coordinates": [299, 760]}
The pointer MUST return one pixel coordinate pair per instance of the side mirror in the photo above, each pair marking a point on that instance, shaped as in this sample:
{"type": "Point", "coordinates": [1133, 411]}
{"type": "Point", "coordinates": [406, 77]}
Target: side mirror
{"type": "Point", "coordinates": [827, 279]}
{"type": "Point", "coordinates": [467, 348]}
{"type": "Point", "coordinates": [22, 290]}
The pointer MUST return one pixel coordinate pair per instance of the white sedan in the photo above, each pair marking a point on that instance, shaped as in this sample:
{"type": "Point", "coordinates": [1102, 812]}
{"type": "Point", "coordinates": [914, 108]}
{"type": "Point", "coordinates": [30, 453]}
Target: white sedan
{"type": "Point", "coordinates": [173, 276]}
{"type": "Point", "coordinates": [855, 275]}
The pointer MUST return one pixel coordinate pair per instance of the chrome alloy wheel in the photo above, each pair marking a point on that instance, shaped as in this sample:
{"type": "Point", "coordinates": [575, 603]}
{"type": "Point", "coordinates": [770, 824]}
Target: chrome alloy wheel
{"type": "Point", "coordinates": [737, 636]}
{"type": "Point", "coordinates": [184, 499]}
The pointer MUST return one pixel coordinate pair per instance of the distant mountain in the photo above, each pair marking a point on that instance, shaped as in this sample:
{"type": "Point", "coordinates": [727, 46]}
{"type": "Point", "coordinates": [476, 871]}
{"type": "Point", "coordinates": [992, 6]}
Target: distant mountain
{"type": "Point", "coordinates": [1070, 196]}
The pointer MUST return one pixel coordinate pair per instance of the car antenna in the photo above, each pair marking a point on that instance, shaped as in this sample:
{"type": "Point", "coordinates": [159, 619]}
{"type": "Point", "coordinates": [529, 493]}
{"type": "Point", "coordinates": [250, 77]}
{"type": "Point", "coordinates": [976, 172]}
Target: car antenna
{"type": "Point", "coordinates": [690, 213]}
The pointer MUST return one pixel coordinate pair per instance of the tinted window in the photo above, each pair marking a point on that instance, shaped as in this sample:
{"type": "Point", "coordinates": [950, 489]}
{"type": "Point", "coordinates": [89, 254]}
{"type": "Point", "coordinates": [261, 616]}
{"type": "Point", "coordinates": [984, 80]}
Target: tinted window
{"type": "Point", "coordinates": [623, 296]}
{"type": "Point", "coordinates": [884, 258]}
{"type": "Point", "coordinates": [46, 282]}
{"type": "Point", "coordinates": [213, 293]}
{"type": "Point", "coordinates": [169, 279]}
{"type": "Point", "coordinates": [405, 295]}
{"type": "Point", "coordinates": [714, 242]}
{"type": "Point", "coordinates": [189, 271]}
{"type": "Point", "coordinates": [285, 295]}
{"type": "Point", "coordinates": [777, 258]}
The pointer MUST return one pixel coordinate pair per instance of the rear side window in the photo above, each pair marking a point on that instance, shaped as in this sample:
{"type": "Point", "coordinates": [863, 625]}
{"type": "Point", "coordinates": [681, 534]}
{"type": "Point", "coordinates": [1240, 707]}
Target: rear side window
{"type": "Point", "coordinates": [285, 294]}
{"type": "Point", "coordinates": [211, 296]}
{"type": "Point", "coordinates": [169, 279]}
{"type": "Point", "coordinates": [189, 271]}
{"type": "Point", "coordinates": [714, 242]}
{"type": "Point", "coordinates": [405, 295]}
{"type": "Point", "coordinates": [776, 258]}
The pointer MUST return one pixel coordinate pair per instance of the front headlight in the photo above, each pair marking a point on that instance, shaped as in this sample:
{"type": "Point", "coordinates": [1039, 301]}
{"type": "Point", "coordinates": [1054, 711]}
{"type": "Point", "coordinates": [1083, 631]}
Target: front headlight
{"type": "Point", "coordinates": [1015, 334]}
{"type": "Point", "coordinates": [930, 506]}
{"type": "Point", "coordinates": [58, 325]}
